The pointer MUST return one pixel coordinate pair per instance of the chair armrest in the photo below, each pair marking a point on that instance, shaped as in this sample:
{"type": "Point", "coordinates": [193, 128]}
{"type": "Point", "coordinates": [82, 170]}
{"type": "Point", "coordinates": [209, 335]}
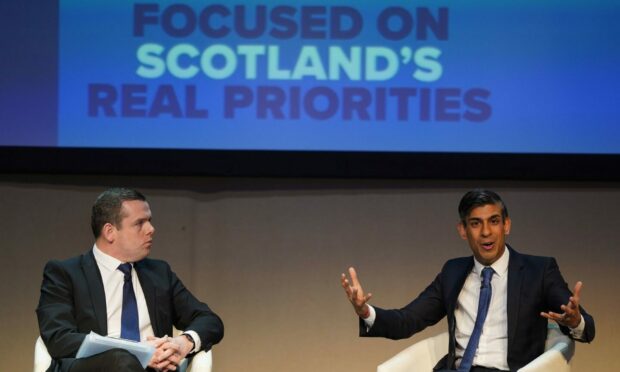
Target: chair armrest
{"type": "Point", "coordinates": [201, 362]}
{"type": "Point", "coordinates": [559, 349]}
{"type": "Point", "coordinates": [551, 360]}
{"type": "Point", "coordinates": [421, 356]}
{"type": "Point", "coordinates": [42, 359]}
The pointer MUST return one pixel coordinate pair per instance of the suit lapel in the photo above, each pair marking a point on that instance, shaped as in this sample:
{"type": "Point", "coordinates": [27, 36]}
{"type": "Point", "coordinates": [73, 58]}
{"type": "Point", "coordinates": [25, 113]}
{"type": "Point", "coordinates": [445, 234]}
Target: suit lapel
{"type": "Point", "coordinates": [515, 278]}
{"type": "Point", "coordinates": [150, 294]}
{"type": "Point", "coordinates": [456, 280]}
{"type": "Point", "coordinates": [456, 283]}
{"type": "Point", "coordinates": [96, 291]}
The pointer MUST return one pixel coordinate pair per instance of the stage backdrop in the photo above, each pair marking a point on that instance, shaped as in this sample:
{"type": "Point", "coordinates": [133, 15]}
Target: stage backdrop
{"type": "Point", "coordinates": [267, 255]}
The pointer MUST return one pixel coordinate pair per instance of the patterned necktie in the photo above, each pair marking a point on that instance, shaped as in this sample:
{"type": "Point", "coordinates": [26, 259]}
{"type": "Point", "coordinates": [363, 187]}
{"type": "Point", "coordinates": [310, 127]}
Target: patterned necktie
{"type": "Point", "coordinates": [129, 317]}
{"type": "Point", "coordinates": [483, 309]}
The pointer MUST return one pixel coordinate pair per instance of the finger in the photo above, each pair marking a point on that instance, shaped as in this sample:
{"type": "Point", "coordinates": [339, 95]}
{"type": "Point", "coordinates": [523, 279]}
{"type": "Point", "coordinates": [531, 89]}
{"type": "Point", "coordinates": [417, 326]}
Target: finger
{"type": "Point", "coordinates": [568, 315]}
{"type": "Point", "coordinates": [169, 349]}
{"type": "Point", "coordinates": [353, 274]}
{"type": "Point", "coordinates": [348, 292]}
{"type": "Point", "coordinates": [161, 340]}
{"type": "Point", "coordinates": [159, 357]}
{"type": "Point", "coordinates": [573, 303]}
{"type": "Point", "coordinates": [574, 299]}
{"type": "Point", "coordinates": [553, 316]}
{"type": "Point", "coordinates": [545, 315]}
{"type": "Point", "coordinates": [175, 359]}
{"type": "Point", "coordinates": [557, 319]}
{"type": "Point", "coordinates": [577, 289]}
{"type": "Point", "coordinates": [157, 342]}
{"type": "Point", "coordinates": [345, 284]}
{"type": "Point", "coordinates": [570, 312]}
{"type": "Point", "coordinates": [153, 362]}
{"type": "Point", "coordinates": [569, 308]}
{"type": "Point", "coordinates": [162, 365]}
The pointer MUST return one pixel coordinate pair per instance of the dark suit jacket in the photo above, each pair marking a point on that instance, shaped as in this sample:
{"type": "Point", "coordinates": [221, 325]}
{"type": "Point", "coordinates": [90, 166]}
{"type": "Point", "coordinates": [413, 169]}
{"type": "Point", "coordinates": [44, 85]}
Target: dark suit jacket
{"type": "Point", "coordinates": [72, 304]}
{"type": "Point", "coordinates": [535, 284]}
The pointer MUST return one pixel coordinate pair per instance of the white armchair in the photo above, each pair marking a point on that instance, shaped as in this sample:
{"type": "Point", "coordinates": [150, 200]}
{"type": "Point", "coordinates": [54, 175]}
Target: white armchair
{"type": "Point", "coordinates": [423, 355]}
{"type": "Point", "coordinates": [559, 350]}
{"type": "Point", "coordinates": [42, 358]}
{"type": "Point", "coordinates": [201, 362]}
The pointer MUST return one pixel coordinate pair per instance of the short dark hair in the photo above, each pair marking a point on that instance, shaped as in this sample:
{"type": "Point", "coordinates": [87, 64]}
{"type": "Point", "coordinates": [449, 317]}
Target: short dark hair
{"type": "Point", "coordinates": [477, 198]}
{"type": "Point", "coordinates": [107, 207]}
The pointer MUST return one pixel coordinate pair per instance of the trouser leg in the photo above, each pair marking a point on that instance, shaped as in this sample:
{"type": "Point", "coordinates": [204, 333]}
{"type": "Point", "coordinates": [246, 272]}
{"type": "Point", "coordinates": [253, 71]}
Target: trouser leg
{"type": "Point", "coordinates": [111, 360]}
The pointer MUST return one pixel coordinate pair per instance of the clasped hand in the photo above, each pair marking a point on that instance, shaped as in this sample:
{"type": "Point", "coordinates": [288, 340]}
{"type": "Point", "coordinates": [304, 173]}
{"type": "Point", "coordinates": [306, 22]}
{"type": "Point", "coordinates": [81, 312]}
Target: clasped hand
{"type": "Point", "coordinates": [355, 293]}
{"type": "Point", "coordinates": [169, 352]}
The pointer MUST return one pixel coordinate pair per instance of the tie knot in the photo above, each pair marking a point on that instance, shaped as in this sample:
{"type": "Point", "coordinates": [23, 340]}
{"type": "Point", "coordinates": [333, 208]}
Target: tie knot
{"type": "Point", "coordinates": [126, 269]}
{"type": "Point", "coordinates": [487, 275]}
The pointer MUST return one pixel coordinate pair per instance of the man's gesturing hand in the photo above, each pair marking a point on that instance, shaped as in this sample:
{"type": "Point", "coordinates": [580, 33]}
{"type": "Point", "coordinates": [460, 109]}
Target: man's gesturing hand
{"type": "Point", "coordinates": [355, 293]}
{"type": "Point", "coordinates": [571, 317]}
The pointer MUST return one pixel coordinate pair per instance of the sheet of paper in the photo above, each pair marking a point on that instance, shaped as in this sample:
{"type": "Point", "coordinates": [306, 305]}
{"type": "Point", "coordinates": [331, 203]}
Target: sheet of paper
{"type": "Point", "coordinates": [95, 344]}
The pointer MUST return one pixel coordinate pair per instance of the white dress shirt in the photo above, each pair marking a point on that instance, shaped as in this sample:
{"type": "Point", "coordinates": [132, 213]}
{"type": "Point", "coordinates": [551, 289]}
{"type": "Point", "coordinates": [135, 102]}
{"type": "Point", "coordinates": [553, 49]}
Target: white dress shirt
{"type": "Point", "coordinates": [492, 349]}
{"type": "Point", "coordinates": [113, 280]}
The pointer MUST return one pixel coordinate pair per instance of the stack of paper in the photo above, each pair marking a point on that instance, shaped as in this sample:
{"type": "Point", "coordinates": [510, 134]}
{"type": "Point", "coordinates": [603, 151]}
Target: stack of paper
{"type": "Point", "coordinates": [95, 344]}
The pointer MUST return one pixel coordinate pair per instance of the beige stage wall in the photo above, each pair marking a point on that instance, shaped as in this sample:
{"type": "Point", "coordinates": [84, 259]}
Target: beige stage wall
{"type": "Point", "coordinates": [266, 255]}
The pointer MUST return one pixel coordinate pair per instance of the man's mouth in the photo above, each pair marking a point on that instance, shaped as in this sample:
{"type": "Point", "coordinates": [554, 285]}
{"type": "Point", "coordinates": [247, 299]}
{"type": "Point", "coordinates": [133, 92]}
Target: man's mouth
{"type": "Point", "coordinates": [487, 246]}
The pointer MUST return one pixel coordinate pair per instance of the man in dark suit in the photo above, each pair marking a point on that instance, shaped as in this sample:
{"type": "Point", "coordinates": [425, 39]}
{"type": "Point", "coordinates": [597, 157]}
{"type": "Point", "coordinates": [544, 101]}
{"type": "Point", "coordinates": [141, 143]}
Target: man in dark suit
{"type": "Point", "coordinates": [91, 293]}
{"type": "Point", "coordinates": [526, 292]}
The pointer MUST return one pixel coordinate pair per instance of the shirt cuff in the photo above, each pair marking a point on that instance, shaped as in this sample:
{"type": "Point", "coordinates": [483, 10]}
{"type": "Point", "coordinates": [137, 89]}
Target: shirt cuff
{"type": "Point", "coordinates": [577, 332]}
{"type": "Point", "coordinates": [196, 339]}
{"type": "Point", "coordinates": [371, 317]}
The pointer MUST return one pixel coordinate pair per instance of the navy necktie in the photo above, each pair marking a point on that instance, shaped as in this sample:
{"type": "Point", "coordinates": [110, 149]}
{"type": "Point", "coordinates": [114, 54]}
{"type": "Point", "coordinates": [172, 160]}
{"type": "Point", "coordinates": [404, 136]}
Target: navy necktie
{"type": "Point", "coordinates": [129, 317]}
{"type": "Point", "coordinates": [483, 309]}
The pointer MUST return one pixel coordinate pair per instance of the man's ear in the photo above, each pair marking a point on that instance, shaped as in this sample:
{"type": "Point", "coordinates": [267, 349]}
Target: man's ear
{"type": "Point", "coordinates": [108, 232]}
{"type": "Point", "coordinates": [507, 225]}
{"type": "Point", "coordinates": [460, 227]}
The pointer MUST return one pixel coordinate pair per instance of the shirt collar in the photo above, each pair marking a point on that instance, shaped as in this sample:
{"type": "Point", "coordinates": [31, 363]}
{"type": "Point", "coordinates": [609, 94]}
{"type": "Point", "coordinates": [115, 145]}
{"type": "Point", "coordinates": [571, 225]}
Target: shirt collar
{"type": "Point", "coordinates": [500, 266]}
{"type": "Point", "coordinates": [104, 259]}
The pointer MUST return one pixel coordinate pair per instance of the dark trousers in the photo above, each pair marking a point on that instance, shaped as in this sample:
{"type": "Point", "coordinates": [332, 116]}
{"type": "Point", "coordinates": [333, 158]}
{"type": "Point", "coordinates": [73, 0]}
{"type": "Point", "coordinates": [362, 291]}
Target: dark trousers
{"type": "Point", "coordinates": [483, 369]}
{"type": "Point", "coordinates": [111, 360]}
{"type": "Point", "coordinates": [474, 369]}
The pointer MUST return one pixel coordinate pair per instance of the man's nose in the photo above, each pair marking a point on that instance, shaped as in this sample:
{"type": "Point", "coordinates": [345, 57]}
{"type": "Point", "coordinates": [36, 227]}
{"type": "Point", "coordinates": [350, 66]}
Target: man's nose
{"type": "Point", "coordinates": [486, 230]}
{"type": "Point", "coordinates": [150, 229]}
